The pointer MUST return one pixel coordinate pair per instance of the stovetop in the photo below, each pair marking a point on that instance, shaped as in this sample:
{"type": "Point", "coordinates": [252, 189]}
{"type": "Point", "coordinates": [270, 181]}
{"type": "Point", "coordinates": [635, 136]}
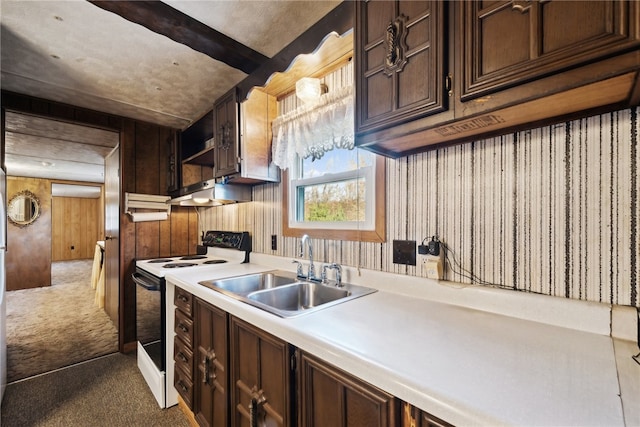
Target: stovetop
{"type": "Point", "coordinates": [223, 248]}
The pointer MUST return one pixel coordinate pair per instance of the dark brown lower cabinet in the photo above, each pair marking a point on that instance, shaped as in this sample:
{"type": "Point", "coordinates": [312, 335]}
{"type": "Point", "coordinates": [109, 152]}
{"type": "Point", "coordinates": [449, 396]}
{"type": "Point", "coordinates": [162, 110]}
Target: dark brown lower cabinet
{"type": "Point", "coordinates": [235, 374]}
{"type": "Point", "coordinates": [261, 378]}
{"type": "Point", "coordinates": [211, 376]}
{"type": "Point", "coordinates": [332, 398]}
{"type": "Point", "coordinates": [183, 345]}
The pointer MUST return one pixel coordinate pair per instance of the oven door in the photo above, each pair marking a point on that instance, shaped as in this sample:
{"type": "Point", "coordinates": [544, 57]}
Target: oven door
{"type": "Point", "coordinates": [150, 315]}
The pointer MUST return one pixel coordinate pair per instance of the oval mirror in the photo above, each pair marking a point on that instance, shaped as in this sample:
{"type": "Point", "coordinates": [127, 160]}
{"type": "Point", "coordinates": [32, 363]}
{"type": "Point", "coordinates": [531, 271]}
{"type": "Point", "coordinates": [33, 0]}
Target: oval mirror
{"type": "Point", "coordinates": [23, 208]}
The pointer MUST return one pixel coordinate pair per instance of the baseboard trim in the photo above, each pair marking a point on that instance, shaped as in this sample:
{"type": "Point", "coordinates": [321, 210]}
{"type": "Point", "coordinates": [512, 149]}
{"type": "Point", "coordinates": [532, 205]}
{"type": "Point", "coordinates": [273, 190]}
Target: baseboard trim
{"type": "Point", "coordinates": [187, 412]}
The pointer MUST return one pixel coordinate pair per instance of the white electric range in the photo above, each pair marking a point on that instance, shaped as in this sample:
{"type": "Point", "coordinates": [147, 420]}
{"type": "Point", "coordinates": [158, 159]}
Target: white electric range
{"type": "Point", "coordinates": [224, 248]}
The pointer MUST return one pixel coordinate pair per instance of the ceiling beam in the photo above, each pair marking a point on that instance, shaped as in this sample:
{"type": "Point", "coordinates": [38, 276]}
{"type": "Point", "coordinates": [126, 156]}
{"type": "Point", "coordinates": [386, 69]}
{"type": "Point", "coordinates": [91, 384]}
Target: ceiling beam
{"type": "Point", "coordinates": [163, 19]}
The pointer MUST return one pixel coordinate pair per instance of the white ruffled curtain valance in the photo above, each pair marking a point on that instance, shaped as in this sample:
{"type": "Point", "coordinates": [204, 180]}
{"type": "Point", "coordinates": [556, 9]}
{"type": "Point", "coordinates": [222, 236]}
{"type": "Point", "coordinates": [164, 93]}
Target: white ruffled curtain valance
{"type": "Point", "coordinates": [312, 130]}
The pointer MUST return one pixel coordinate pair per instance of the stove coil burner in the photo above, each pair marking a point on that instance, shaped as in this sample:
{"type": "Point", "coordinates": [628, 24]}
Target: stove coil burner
{"type": "Point", "coordinates": [192, 257]}
{"type": "Point", "coordinates": [159, 260]}
{"type": "Point", "coordinates": [179, 265]}
{"type": "Point", "coordinates": [215, 261]}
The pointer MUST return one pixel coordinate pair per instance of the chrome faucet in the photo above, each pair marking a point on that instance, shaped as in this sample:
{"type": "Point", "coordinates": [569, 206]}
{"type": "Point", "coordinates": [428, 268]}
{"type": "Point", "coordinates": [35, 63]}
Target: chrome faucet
{"type": "Point", "coordinates": [311, 273]}
{"type": "Point", "coordinates": [338, 269]}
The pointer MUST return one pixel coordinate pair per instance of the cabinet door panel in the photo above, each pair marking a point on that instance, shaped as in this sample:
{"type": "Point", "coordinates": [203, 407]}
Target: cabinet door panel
{"type": "Point", "coordinates": [260, 377]}
{"type": "Point", "coordinates": [500, 51]}
{"type": "Point", "coordinates": [211, 374]}
{"type": "Point", "coordinates": [595, 19]}
{"type": "Point", "coordinates": [326, 408]}
{"type": "Point", "coordinates": [400, 62]}
{"type": "Point", "coordinates": [506, 44]}
{"type": "Point", "coordinates": [225, 113]}
{"type": "Point", "coordinates": [331, 397]}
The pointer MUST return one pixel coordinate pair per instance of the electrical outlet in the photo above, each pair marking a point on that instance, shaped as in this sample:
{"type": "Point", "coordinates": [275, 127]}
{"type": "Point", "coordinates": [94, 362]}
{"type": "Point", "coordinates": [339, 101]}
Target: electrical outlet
{"type": "Point", "coordinates": [274, 242]}
{"type": "Point", "coordinates": [433, 265]}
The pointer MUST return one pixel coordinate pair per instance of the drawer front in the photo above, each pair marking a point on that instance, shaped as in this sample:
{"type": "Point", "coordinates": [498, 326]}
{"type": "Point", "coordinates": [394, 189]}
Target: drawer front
{"type": "Point", "coordinates": [184, 328]}
{"type": "Point", "coordinates": [183, 356]}
{"type": "Point", "coordinates": [184, 386]}
{"type": "Point", "coordinates": [184, 301]}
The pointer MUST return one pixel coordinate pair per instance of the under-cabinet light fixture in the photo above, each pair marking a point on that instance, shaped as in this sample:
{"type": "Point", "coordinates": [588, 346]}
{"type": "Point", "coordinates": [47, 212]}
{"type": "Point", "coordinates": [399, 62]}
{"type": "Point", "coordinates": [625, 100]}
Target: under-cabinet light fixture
{"type": "Point", "coordinates": [309, 89]}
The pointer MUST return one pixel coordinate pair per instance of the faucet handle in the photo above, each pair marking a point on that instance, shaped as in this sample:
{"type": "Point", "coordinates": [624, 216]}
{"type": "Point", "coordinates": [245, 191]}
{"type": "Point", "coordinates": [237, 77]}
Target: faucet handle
{"type": "Point", "coordinates": [299, 272]}
{"type": "Point", "coordinates": [324, 274]}
{"type": "Point", "coordinates": [338, 269]}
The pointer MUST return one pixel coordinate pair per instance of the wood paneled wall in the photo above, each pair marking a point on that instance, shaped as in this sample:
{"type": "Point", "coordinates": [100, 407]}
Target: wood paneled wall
{"type": "Point", "coordinates": [28, 257]}
{"type": "Point", "coordinates": [552, 210]}
{"type": "Point", "coordinates": [144, 153]}
{"type": "Point", "coordinates": [75, 227]}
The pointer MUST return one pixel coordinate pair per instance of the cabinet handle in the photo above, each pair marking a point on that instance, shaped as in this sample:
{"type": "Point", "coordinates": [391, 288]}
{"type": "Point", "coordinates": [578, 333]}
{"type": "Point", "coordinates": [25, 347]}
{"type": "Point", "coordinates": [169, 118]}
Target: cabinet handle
{"type": "Point", "coordinates": [448, 84]}
{"type": "Point", "coordinates": [396, 45]}
{"type": "Point", "coordinates": [253, 419]}
{"type": "Point", "coordinates": [205, 376]}
{"type": "Point", "coordinates": [209, 368]}
{"type": "Point", "coordinates": [183, 298]}
{"type": "Point", "coordinates": [183, 328]}
{"type": "Point", "coordinates": [182, 357]}
{"type": "Point", "coordinates": [256, 407]}
{"type": "Point", "coordinates": [225, 132]}
{"type": "Point", "coordinates": [391, 43]}
{"type": "Point", "coordinates": [183, 387]}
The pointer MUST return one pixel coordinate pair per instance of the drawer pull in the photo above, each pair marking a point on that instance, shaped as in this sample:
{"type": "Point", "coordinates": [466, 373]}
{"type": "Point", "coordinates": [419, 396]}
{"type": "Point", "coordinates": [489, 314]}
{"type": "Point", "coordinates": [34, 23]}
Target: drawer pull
{"type": "Point", "coordinates": [182, 357]}
{"type": "Point", "coordinates": [183, 298]}
{"type": "Point", "coordinates": [183, 387]}
{"type": "Point", "coordinates": [183, 328]}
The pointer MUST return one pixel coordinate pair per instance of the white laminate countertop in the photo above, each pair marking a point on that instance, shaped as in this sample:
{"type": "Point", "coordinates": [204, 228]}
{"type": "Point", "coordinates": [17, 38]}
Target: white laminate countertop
{"type": "Point", "coordinates": [463, 365]}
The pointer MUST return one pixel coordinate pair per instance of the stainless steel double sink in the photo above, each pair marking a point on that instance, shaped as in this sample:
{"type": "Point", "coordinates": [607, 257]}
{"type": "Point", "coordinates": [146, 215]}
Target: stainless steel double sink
{"type": "Point", "coordinates": [283, 294]}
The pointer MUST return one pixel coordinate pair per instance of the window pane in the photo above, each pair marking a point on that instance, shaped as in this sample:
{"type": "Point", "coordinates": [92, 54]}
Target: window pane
{"type": "Point", "coordinates": [331, 202]}
{"type": "Point", "coordinates": [336, 160]}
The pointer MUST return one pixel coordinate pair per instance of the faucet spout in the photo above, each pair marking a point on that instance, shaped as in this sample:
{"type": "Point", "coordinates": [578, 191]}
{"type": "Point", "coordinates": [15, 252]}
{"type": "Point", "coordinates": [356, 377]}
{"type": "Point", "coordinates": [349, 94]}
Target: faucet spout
{"type": "Point", "coordinates": [306, 241]}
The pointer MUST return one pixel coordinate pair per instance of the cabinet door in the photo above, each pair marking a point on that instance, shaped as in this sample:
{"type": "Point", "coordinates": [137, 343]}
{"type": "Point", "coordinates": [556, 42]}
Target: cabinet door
{"type": "Point", "coordinates": [507, 43]}
{"type": "Point", "coordinates": [225, 122]}
{"type": "Point", "coordinates": [173, 163]}
{"type": "Point", "coordinates": [211, 372]}
{"type": "Point", "coordinates": [260, 378]}
{"type": "Point", "coordinates": [400, 62]}
{"type": "Point", "coordinates": [332, 398]}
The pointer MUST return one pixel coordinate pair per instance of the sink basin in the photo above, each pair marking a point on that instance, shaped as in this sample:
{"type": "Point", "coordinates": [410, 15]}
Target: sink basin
{"type": "Point", "coordinates": [304, 297]}
{"type": "Point", "coordinates": [299, 296]}
{"type": "Point", "coordinates": [283, 294]}
{"type": "Point", "coordinates": [243, 285]}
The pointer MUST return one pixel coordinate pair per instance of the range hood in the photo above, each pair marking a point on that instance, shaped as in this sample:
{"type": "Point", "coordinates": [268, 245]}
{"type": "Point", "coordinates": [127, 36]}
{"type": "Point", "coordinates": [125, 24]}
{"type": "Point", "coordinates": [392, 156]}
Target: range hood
{"type": "Point", "coordinates": [210, 193]}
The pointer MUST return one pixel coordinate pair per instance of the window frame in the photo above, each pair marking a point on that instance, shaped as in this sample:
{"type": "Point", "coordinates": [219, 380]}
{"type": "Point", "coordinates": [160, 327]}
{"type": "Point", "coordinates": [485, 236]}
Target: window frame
{"type": "Point", "coordinates": [377, 234]}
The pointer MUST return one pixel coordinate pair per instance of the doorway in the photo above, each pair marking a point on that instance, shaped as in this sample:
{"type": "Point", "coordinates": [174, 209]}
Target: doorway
{"type": "Point", "coordinates": [61, 309]}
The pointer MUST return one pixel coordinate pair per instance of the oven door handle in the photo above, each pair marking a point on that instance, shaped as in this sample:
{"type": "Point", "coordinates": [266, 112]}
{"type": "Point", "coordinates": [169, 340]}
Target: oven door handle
{"type": "Point", "coordinates": [141, 282]}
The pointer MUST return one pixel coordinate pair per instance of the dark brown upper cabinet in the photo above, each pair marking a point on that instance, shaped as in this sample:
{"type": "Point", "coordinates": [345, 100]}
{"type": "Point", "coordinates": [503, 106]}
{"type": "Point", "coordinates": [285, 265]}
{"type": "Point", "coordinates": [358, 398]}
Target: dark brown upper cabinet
{"type": "Point", "coordinates": [242, 132]}
{"type": "Point", "coordinates": [506, 66]}
{"type": "Point", "coordinates": [226, 137]}
{"type": "Point", "coordinates": [400, 62]}
{"type": "Point", "coordinates": [510, 43]}
{"type": "Point", "coordinates": [232, 142]}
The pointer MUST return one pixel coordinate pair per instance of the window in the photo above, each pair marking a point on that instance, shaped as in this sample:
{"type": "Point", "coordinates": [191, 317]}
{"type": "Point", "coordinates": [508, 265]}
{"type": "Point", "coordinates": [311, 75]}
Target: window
{"type": "Point", "coordinates": [338, 196]}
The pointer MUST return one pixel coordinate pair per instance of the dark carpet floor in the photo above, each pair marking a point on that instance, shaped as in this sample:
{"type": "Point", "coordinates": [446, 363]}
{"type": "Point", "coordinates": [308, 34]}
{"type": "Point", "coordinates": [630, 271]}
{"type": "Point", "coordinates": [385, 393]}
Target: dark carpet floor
{"type": "Point", "coordinates": [107, 391]}
{"type": "Point", "coordinates": [58, 325]}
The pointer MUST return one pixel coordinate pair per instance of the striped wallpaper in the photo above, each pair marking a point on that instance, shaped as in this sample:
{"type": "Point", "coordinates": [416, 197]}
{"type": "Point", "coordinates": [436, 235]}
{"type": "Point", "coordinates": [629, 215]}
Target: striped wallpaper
{"type": "Point", "coordinates": [552, 210]}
